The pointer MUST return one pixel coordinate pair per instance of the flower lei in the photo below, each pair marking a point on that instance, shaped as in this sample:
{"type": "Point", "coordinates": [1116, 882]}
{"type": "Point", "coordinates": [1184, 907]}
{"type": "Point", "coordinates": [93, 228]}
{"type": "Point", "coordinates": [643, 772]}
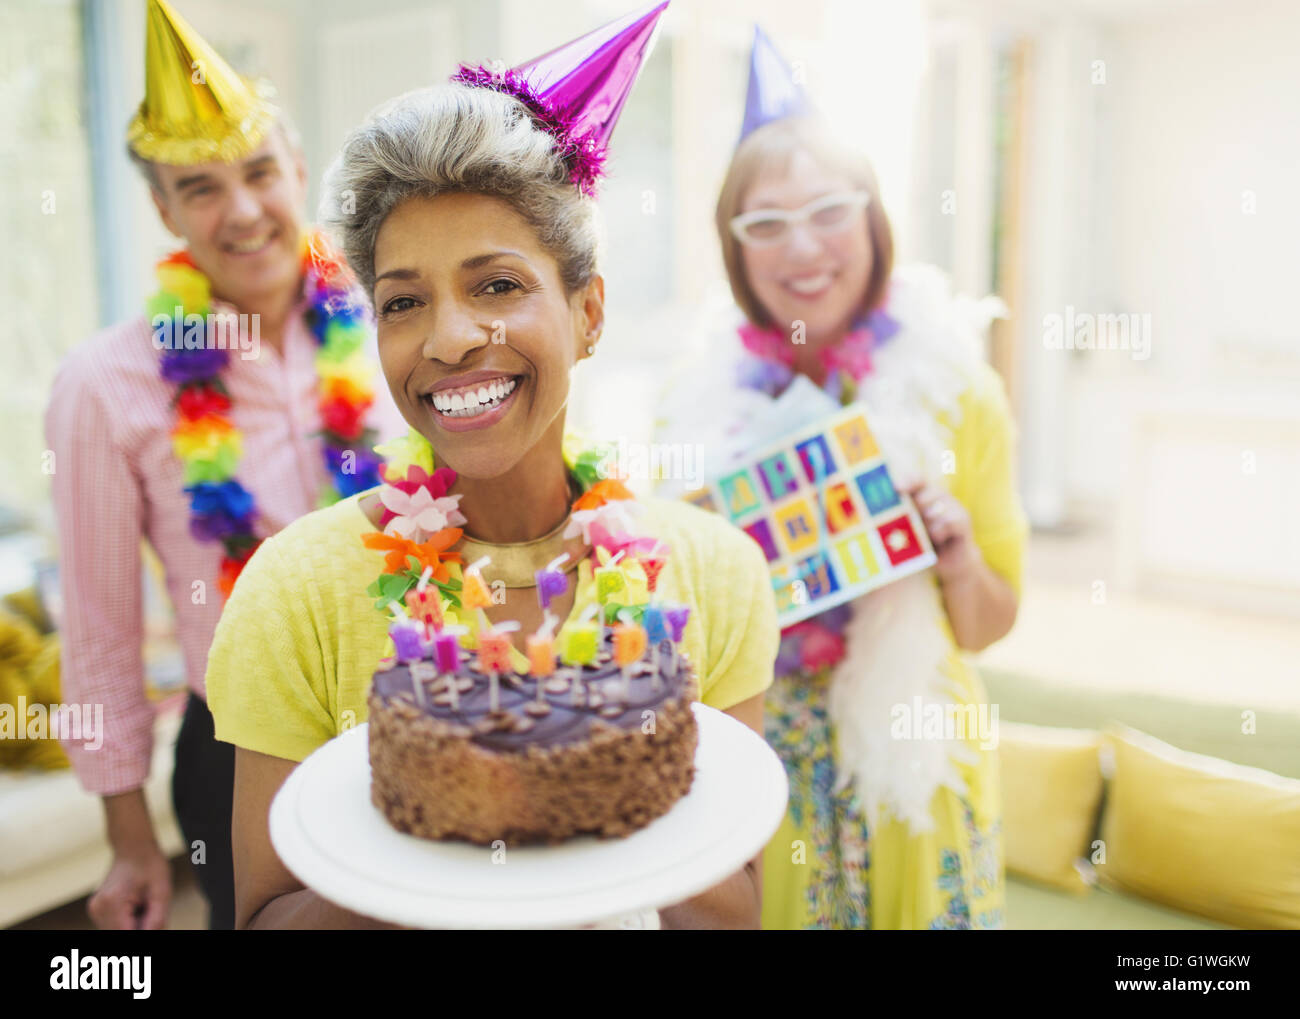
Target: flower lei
{"type": "Point", "coordinates": [771, 368]}
{"type": "Point", "coordinates": [815, 643]}
{"type": "Point", "coordinates": [421, 522]}
{"type": "Point", "coordinates": [205, 439]}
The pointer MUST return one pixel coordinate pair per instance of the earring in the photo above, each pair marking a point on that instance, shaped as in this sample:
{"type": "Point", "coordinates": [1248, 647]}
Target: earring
{"type": "Point", "coordinates": [590, 349]}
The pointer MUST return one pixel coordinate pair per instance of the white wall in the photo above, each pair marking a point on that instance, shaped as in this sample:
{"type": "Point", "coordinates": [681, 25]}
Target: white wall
{"type": "Point", "coordinates": [1208, 109]}
{"type": "Point", "coordinates": [1199, 113]}
{"type": "Point", "coordinates": [1193, 454]}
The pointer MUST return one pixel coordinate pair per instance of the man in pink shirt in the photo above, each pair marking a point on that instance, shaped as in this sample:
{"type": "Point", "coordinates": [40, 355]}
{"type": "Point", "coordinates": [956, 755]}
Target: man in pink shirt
{"type": "Point", "coordinates": [231, 185]}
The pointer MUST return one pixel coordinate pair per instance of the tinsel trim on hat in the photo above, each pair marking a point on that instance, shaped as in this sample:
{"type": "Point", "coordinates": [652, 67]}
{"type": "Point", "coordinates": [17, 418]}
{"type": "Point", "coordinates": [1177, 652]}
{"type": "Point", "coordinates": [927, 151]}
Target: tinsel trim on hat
{"type": "Point", "coordinates": [227, 137]}
{"type": "Point", "coordinates": [584, 156]}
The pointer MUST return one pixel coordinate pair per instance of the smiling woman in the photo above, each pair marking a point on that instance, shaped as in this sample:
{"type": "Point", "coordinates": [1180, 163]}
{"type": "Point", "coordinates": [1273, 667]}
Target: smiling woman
{"type": "Point", "coordinates": [466, 216]}
{"type": "Point", "coordinates": [484, 313]}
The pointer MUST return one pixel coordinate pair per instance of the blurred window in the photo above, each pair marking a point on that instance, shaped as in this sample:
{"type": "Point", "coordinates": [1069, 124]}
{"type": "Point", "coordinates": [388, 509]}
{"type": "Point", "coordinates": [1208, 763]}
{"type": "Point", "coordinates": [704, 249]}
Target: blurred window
{"type": "Point", "coordinates": [48, 285]}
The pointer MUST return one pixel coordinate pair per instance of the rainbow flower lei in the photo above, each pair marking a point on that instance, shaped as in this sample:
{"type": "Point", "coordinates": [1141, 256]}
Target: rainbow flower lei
{"type": "Point", "coordinates": [421, 522]}
{"type": "Point", "coordinates": [769, 364]}
{"type": "Point", "coordinates": [205, 439]}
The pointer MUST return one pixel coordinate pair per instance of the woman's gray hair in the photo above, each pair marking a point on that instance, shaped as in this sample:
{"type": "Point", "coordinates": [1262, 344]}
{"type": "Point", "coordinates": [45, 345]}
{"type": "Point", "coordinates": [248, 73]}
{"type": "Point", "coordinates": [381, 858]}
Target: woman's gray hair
{"type": "Point", "coordinates": [456, 138]}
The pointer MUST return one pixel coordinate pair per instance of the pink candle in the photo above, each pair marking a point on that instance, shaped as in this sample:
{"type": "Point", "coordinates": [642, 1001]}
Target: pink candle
{"type": "Point", "coordinates": [446, 649]}
{"type": "Point", "coordinates": [446, 654]}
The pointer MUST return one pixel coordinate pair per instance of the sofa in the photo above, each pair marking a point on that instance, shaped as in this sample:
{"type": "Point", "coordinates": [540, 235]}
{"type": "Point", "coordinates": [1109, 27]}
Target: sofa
{"type": "Point", "coordinates": [1211, 729]}
{"type": "Point", "coordinates": [53, 849]}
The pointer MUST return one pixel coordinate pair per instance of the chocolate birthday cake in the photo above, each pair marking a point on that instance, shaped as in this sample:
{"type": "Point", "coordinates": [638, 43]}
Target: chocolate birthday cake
{"type": "Point", "coordinates": [599, 749]}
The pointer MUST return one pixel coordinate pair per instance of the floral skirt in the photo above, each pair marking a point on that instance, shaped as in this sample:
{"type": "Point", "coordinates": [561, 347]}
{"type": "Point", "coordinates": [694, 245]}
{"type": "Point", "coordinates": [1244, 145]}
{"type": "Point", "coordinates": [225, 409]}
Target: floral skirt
{"type": "Point", "coordinates": [825, 868]}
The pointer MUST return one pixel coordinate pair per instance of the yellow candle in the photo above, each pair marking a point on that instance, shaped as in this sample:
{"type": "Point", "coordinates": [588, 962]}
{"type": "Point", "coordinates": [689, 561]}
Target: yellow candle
{"type": "Point", "coordinates": [579, 644]}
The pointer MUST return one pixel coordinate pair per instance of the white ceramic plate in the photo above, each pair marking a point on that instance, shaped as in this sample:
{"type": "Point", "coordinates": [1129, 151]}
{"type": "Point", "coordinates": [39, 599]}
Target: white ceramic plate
{"type": "Point", "coordinates": [336, 842]}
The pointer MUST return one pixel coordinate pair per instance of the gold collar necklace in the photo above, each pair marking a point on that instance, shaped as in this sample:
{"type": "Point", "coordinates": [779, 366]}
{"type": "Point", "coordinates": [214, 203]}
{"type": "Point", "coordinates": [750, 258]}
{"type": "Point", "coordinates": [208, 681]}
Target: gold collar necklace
{"type": "Point", "coordinates": [515, 564]}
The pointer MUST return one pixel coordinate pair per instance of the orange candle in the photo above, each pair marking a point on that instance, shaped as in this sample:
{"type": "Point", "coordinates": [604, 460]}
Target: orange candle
{"type": "Point", "coordinates": [541, 654]}
{"type": "Point", "coordinates": [629, 646]}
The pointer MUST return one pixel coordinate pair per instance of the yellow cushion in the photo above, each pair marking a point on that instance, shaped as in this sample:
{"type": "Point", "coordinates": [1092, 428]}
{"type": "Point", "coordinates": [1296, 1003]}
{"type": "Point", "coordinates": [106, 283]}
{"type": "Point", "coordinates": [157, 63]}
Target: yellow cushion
{"type": "Point", "coordinates": [29, 675]}
{"type": "Point", "coordinates": [1200, 834]}
{"type": "Point", "coordinates": [1051, 786]}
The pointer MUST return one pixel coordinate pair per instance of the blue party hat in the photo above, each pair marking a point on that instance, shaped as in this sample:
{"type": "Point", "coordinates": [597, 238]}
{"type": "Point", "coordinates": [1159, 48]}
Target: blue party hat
{"type": "Point", "coordinates": [773, 93]}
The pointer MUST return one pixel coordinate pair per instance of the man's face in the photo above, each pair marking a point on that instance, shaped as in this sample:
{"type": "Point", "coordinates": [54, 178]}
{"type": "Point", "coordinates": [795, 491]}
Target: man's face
{"type": "Point", "coordinates": [242, 221]}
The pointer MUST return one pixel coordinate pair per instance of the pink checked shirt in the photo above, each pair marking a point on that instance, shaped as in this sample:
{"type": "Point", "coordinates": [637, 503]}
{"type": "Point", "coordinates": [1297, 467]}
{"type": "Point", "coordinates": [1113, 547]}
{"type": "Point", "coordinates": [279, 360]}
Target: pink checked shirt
{"type": "Point", "coordinates": [116, 481]}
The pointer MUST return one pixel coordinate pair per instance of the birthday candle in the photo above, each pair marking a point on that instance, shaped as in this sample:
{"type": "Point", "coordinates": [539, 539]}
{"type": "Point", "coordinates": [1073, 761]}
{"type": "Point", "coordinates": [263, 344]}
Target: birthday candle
{"type": "Point", "coordinates": [494, 658]}
{"type": "Point", "coordinates": [656, 632]}
{"type": "Point", "coordinates": [578, 644]}
{"type": "Point", "coordinates": [629, 645]}
{"type": "Point", "coordinates": [541, 659]}
{"type": "Point", "coordinates": [446, 654]}
{"type": "Point", "coordinates": [493, 651]}
{"type": "Point", "coordinates": [677, 618]}
{"type": "Point", "coordinates": [609, 582]}
{"type": "Point", "coordinates": [656, 626]}
{"type": "Point", "coordinates": [446, 650]}
{"type": "Point", "coordinates": [420, 671]}
{"type": "Point", "coordinates": [405, 633]}
{"type": "Point", "coordinates": [541, 654]}
{"type": "Point", "coordinates": [474, 593]}
{"type": "Point", "coordinates": [652, 562]}
{"type": "Point", "coordinates": [425, 603]}
{"type": "Point", "coordinates": [551, 581]}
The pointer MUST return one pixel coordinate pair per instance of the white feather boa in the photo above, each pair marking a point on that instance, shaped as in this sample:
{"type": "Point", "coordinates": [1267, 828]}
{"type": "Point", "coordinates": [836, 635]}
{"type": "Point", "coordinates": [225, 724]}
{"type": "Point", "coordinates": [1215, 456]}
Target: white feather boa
{"type": "Point", "coordinates": [897, 646]}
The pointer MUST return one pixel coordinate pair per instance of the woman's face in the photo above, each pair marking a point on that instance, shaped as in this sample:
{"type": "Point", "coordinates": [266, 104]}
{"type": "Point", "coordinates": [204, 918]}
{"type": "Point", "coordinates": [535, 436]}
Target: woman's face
{"type": "Point", "coordinates": [476, 334]}
{"type": "Point", "coordinates": [812, 277]}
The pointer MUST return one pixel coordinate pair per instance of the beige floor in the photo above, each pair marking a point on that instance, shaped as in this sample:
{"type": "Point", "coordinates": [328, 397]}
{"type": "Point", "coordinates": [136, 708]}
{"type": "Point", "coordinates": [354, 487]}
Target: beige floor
{"type": "Point", "coordinates": [189, 909]}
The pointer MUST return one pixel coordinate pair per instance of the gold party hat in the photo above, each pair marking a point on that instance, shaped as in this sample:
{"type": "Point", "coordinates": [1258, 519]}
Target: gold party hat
{"type": "Point", "coordinates": [196, 108]}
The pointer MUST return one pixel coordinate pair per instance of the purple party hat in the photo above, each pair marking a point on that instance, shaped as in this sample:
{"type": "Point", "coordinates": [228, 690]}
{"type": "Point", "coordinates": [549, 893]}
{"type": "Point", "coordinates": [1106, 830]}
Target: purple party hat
{"type": "Point", "coordinates": [577, 91]}
{"type": "Point", "coordinates": [773, 93]}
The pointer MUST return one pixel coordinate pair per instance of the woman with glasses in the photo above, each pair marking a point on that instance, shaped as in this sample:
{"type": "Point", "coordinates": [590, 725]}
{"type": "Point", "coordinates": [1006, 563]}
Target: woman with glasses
{"type": "Point", "coordinates": [893, 819]}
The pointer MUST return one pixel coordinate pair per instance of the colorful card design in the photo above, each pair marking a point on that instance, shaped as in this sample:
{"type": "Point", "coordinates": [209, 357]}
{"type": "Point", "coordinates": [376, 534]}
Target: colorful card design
{"type": "Point", "coordinates": [824, 510]}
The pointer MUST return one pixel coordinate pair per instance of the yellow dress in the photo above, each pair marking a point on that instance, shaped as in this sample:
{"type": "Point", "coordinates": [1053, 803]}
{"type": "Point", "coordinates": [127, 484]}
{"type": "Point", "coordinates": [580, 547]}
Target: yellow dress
{"type": "Point", "coordinates": [826, 867]}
